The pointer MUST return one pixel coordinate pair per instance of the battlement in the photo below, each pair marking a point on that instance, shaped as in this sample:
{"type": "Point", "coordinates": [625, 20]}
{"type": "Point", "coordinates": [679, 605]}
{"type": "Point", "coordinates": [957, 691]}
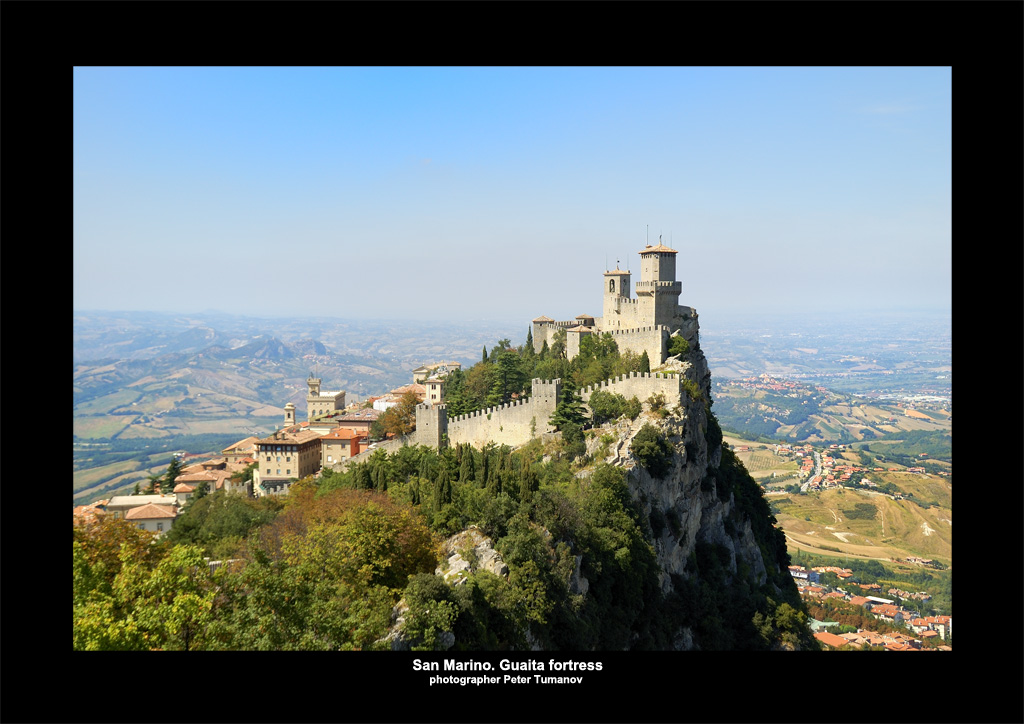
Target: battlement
{"type": "Point", "coordinates": [612, 381]}
{"type": "Point", "coordinates": [639, 330]}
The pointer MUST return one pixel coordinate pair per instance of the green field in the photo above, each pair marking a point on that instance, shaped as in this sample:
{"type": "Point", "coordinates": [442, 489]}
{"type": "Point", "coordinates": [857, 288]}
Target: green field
{"type": "Point", "coordinates": [104, 426]}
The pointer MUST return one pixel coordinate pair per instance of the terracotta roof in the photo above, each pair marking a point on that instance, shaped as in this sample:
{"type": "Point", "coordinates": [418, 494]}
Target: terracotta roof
{"type": "Point", "coordinates": [831, 639]}
{"type": "Point", "coordinates": [184, 488]}
{"type": "Point", "coordinates": [146, 512]}
{"type": "Point", "coordinates": [583, 316]}
{"type": "Point", "coordinates": [290, 438]}
{"type": "Point", "coordinates": [580, 328]}
{"type": "Point", "coordinates": [659, 248]}
{"type": "Point", "coordinates": [246, 443]}
{"type": "Point", "coordinates": [342, 433]}
{"type": "Point", "coordinates": [542, 318]}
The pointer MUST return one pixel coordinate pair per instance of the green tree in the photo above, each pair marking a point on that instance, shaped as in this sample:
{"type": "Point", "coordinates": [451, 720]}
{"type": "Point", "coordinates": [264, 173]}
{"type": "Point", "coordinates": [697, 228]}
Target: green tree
{"type": "Point", "coordinates": [173, 471]}
{"type": "Point", "coordinates": [645, 363]}
{"type": "Point", "coordinates": [569, 410]}
{"type": "Point", "coordinates": [677, 345]}
{"type": "Point", "coordinates": [605, 406]}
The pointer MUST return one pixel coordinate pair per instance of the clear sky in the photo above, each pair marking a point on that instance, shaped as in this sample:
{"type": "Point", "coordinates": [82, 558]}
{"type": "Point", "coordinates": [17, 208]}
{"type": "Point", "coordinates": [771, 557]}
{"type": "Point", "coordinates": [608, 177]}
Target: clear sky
{"type": "Point", "coordinates": [505, 193]}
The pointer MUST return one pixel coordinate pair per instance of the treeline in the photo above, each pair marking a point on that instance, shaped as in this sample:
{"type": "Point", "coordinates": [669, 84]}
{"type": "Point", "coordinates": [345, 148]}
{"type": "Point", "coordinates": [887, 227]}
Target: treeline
{"type": "Point", "coordinates": [907, 446]}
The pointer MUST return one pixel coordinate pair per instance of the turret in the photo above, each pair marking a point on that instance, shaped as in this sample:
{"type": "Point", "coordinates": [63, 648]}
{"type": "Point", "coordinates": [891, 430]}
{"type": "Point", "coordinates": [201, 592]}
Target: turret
{"type": "Point", "coordinates": [289, 415]}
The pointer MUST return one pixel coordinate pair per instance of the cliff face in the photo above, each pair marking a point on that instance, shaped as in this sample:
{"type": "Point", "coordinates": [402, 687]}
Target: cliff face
{"type": "Point", "coordinates": [705, 502]}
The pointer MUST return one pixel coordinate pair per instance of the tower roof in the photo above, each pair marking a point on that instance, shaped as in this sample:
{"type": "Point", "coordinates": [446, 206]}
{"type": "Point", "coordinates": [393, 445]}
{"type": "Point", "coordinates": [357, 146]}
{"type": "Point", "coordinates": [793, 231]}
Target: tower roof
{"type": "Point", "coordinates": [660, 248]}
{"type": "Point", "coordinates": [542, 318]}
{"type": "Point", "coordinates": [616, 272]}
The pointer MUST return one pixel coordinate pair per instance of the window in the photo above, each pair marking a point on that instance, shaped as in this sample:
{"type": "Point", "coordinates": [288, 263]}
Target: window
{"type": "Point", "coordinates": [611, 285]}
{"type": "Point", "coordinates": [159, 526]}
{"type": "Point", "coordinates": [330, 459]}
{"type": "Point", "coordinates": [288, 459]}
{"type": "Point", "coordinates": [268, 471]}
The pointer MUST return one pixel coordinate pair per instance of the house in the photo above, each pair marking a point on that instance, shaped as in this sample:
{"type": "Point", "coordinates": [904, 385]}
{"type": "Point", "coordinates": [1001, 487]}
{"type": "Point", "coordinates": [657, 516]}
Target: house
{"type": "Point", "coordinates": [119, 505]}
{"type": "Point", "coordinates": [155, 518]}
{"type": "Point", "coordinates": [434, 390]}
{"type": "Point", "coordinates": [339, 445]}
{"type": "Point", "coordinates": [91, 513]}
{"type": "Point", "coordinates": [241, 449]}
{"type": "Point", "coordinates": [830, 639]}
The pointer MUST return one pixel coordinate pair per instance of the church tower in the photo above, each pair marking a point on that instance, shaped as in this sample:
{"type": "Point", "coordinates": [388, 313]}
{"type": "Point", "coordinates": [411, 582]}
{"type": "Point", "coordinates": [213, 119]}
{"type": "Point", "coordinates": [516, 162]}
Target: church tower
{"type": "Point", "coordinates": [289, 415]}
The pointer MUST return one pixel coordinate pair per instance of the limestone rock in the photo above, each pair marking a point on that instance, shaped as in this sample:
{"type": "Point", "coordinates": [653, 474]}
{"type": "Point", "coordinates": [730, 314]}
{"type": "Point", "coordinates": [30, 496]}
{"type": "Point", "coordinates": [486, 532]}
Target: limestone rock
{"type": "Point", "coordinates": [467, 552]}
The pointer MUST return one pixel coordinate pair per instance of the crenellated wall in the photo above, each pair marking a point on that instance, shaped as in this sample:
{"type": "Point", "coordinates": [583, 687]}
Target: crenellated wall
{"type": "Point", "coordinates": [514, 423]}
{"type": "Point", "coordinates": [642, 385]}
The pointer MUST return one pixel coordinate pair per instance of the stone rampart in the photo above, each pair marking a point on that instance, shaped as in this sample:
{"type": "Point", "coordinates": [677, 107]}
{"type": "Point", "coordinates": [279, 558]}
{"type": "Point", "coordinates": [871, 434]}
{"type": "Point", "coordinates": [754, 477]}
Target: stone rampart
{"type": "Point", "coordinates": [514, 423]}
{"type": "Point", "coordinates": [642, 385]}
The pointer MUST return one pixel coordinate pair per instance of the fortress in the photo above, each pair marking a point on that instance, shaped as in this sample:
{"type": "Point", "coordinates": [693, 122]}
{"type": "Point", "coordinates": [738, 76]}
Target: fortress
{"type": "Point", "coordinates": [641, 324]}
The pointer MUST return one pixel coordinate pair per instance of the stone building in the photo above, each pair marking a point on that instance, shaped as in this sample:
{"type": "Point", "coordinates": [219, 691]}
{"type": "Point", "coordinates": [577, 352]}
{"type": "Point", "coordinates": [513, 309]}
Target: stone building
{"type": "Point", "coordinates": [640, 324]}
{"type": "Point", "coordinates": [339, 445]}
{"type": "Point", "coordinates": [321, 402]}
{"type": "Point", "coordinates": [283, 458]}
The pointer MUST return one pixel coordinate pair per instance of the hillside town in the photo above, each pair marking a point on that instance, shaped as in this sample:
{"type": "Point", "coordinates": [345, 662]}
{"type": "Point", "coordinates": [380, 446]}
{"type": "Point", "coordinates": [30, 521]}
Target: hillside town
{"type": "Point", "coordinates": [332, 434]}
{"type": "Point", "coordinates": [920, 633]}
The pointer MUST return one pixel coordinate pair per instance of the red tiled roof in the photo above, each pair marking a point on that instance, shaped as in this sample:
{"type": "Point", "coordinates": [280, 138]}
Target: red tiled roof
{"type": "Point", "coordinates": [830, 639]}
{"type": "Point", "coordinates": [150, 511]}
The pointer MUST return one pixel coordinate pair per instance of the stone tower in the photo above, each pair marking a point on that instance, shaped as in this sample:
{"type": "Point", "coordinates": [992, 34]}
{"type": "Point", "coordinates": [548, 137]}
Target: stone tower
{"type": "Point", "coordinates": [616, 294]}
{"type": "Point", "coordinates": [658, 291]}
{"type": "Point", "coordinates": [311, 398]}
{"type": "Point", "coordinates": [289, 415]}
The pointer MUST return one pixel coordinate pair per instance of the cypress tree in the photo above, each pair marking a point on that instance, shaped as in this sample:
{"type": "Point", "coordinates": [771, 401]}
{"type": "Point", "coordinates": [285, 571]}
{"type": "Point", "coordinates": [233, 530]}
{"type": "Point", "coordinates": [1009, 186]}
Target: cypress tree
{"type": "Point", "coordinates": [467, 470]}
{"type": "Point", "coordinates": [484, 359]}
{"type": "Point", "coordinates": [645, 362]}
{"type": "Point", "coordinates": [442, 488]}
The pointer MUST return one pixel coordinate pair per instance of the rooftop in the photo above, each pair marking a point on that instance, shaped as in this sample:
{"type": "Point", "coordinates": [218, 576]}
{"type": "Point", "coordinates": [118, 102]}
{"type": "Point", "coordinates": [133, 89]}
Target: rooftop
{"type": "Point", "coordinates": [661, 248]}
{"type": "Point", "coordinates": [146, 512]}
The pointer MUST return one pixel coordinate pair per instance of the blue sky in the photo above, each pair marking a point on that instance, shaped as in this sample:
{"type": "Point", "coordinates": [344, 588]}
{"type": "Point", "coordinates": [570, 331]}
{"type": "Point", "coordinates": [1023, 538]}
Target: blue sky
{"type": "Point", "coordinates": [471, 193]}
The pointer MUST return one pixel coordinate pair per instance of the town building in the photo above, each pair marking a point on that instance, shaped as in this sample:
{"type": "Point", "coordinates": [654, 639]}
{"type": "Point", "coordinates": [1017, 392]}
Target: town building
{"type": "Point", "coordinates": [154, 518]}
{"type": "Point", "coordinates": [339, 445]}
{"type": "Point", "coordinates": [321, 402]}
{"type": "Point", "coordinates": [119, 505]}
{"type": "Point", "coordinates": [283, 458]}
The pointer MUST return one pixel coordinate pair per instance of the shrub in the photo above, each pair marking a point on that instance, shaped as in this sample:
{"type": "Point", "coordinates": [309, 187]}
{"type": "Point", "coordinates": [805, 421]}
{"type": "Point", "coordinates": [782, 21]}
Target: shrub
{"type": "Point", "coordinates": [677, 345]}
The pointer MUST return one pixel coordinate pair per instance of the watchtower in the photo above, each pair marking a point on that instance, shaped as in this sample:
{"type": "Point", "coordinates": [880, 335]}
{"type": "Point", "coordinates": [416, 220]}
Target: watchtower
{"type": "Point", "coordinates": [658, 290]}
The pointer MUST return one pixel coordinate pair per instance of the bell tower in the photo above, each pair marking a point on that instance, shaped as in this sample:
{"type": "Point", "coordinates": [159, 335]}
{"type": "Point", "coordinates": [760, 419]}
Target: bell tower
{"type": "Point", "coordinates": [616, 292]}
{"type": "Point", "coordinates": [289, 415]}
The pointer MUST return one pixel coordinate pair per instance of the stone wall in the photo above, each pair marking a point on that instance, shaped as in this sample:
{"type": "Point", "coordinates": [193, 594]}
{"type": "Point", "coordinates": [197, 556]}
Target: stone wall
{"type": "Point", "coordinates": [515, 423]}
{"type": "Point", "coordinates": [641, 385]}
